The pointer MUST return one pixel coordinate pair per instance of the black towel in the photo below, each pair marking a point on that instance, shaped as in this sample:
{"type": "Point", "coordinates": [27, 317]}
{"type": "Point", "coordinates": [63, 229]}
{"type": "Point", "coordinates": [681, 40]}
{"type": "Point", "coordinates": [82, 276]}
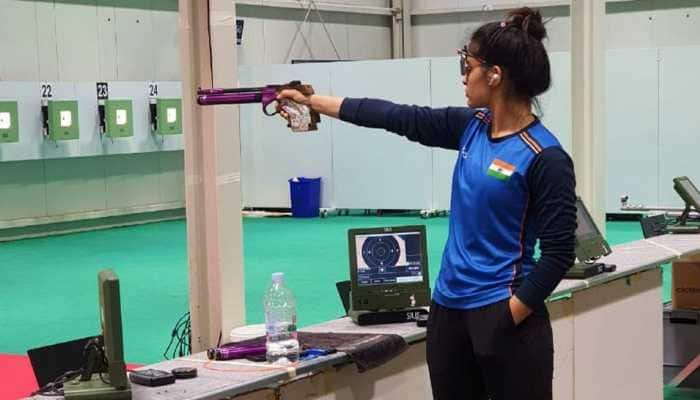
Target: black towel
{"type": "Point", "coordinates": [366, 350]}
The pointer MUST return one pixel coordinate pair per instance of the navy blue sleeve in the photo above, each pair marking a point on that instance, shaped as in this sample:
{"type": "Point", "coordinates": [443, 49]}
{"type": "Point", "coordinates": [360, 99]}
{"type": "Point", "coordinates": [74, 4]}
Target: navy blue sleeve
{"type": "Point", "coordinates": [435, 127]}
{"type": "Point", "coordinates": [552, 191]}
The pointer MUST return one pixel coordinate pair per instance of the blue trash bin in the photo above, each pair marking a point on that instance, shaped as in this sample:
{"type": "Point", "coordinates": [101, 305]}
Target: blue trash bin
{"type": "Point", "coordinates": [305, 194]}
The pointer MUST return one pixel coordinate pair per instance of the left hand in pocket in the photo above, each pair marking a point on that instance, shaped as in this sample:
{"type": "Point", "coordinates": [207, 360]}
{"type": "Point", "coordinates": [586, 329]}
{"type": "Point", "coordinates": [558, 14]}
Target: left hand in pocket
{"type": "Point", "coordinates": [518, 310]}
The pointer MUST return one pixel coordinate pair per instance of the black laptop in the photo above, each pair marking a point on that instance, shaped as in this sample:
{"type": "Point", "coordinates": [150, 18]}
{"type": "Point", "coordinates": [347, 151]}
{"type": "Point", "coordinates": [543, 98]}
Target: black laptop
{"type": "Point", "coordinates": [50, 362]}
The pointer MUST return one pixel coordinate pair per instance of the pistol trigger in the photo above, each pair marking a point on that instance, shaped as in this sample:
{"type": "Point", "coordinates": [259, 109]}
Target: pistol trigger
{"type": "Point", "coordinates": [269, 113]}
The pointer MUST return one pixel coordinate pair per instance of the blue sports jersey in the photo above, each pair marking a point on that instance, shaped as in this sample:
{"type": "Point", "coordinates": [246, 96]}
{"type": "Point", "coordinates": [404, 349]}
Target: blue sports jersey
{"type": "Point", "coordinates": [490, 244]}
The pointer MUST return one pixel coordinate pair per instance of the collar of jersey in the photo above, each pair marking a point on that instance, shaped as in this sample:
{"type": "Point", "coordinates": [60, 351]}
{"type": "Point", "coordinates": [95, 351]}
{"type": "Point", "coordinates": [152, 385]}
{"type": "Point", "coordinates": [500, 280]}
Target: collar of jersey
{"type": "Point", "coordinates": [510, 135]}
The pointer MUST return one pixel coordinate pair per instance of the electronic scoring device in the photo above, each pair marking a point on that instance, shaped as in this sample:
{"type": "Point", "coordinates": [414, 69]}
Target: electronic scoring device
{"type": "Point", "coordinates": [590, 245]}
{"type": "Point", "coordinates": [388, 274]}
{"type": "Point", "coordinates": [691, 196]}
{"type": "Point", "coordinates": [112, 385]}
{"type": "Point", "coordinates": [654, 225]}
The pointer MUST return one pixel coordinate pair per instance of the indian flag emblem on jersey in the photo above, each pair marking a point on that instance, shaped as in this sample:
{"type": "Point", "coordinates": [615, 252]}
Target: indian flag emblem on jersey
{"type": "Point", "coordinates": [500, 170]}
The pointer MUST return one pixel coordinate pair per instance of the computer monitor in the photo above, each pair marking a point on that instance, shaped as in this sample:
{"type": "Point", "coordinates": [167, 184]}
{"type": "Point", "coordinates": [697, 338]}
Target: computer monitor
{"type": "Point", "coordinates": [388, 268]}
{"type": "Point", "coordinates": [689, 193]}
{"type": "Point", "coordinates": [590, 243]}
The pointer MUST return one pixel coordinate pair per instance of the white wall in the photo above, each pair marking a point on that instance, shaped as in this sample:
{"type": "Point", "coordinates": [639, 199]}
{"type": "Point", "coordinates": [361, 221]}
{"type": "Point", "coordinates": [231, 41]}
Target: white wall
{"type": "Point", "coordinates": [89, 40]}
{"type": "Point", "coordinates": [631, 24]}
{"type": "Point", "coordinates": [268, 34]}
{"type": "Point", "coordinates": [440, 34]}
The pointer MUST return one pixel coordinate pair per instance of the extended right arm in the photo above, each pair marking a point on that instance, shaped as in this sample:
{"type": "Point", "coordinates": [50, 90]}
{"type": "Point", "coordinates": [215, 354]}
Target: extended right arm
{"type": "Point", "coordinates": [436, 127]}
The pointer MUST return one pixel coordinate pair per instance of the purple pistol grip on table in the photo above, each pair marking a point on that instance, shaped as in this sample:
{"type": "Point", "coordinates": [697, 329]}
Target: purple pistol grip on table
{"type": "Point", "coordinates": [235, 352]}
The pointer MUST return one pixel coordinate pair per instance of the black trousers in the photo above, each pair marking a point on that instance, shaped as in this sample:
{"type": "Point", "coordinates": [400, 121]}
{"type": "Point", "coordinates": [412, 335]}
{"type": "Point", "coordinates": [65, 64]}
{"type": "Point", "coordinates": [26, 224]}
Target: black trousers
{"type": "Point", "coordinates": [480, 354]}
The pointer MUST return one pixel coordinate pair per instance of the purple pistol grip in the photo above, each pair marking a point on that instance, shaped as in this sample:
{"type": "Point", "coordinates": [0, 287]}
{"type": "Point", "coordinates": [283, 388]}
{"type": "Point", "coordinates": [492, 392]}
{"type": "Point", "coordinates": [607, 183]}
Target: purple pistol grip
{"type": "Point", "coordinates": [235, 352]}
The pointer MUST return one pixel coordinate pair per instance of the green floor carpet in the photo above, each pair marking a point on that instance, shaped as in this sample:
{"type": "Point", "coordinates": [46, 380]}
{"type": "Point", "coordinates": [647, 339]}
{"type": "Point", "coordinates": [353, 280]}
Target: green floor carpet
{"type": "Point", "coordinates": [48, 287]}
{"type": "Point", "coordinates": [681, 394]}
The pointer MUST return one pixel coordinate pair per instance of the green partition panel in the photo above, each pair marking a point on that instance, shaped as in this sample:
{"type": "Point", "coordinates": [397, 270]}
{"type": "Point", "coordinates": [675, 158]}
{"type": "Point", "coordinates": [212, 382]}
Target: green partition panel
{"type": "Point", "coordinates": [169, 115]}
{"type": "Point", "coordinates": [119, 118]}
{"type": "Point", "coordinates": [9, 123]}
{"type": "Point", "coordinates": [63, 120]}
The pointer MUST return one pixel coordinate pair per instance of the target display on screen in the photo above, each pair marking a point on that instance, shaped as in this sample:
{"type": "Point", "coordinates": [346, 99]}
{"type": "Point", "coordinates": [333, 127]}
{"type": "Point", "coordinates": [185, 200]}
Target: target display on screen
{"type": "Point", "coordinates": [388, 258]}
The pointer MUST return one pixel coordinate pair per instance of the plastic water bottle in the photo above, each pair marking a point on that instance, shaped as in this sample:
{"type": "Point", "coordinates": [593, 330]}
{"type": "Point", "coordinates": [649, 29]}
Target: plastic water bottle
{"type": "Point", "coordinates": [280, 322]}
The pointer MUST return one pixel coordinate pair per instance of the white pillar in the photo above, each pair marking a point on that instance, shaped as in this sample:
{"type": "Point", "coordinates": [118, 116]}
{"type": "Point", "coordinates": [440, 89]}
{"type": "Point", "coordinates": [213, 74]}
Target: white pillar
{"type": "Point", "coordinates": [401, 29]}
{"type": "Point", "coordinates": [588, 103]}
{"type": "Point", "coordinates": [589, 148]}
{"type": "Point", "coordinates": [406, 29]}
{"type": "Point", "coordinates": [212, 171]}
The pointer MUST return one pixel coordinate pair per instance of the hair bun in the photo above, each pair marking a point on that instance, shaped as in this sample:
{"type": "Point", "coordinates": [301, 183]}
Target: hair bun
{"type": "Point", "coordinates": [529, 20]}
